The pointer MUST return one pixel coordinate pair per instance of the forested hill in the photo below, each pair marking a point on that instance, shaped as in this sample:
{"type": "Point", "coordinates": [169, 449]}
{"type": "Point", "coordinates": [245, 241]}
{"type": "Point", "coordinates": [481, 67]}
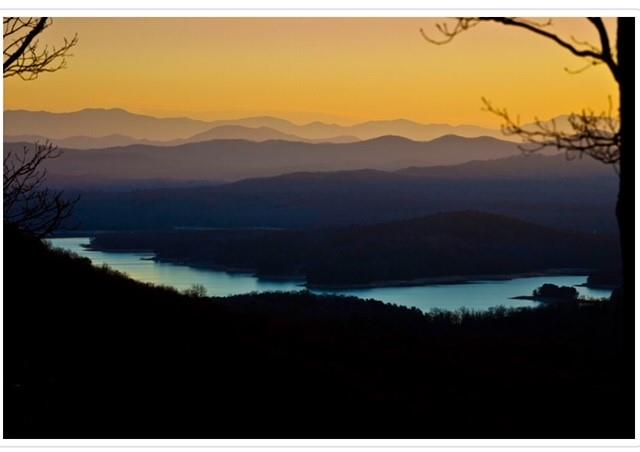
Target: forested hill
{"type": "Point", "coordinates": [447, 244]}
{"type": "Point", "coordinates": [89, 353]}
{"type": "Point", "coordinates": [572, 195]}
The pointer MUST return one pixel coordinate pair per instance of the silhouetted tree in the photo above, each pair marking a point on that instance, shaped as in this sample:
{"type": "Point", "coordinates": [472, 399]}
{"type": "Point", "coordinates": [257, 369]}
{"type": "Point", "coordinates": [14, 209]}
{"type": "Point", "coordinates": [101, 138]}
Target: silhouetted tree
{"type": "Point", "coordinates": [196, 291]}
{"type": "Point", "coordinates": [27, 203]}
{"type": "Point", "coordinates": [556, 292]}
{"type": "Point", "coordinates": [600, 136]}
{"type": "Point", "coordinates": [23, 54]}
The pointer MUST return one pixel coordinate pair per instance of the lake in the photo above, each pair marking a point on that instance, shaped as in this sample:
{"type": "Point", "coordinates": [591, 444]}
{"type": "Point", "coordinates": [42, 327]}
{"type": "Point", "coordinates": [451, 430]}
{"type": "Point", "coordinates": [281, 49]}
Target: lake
{"type": "Point", "coordinates": [477, 295]}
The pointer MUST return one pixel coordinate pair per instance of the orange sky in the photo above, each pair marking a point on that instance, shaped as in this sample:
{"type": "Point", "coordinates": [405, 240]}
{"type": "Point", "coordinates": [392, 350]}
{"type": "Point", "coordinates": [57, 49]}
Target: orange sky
{"type": "Point", "coordinates": [345, 70]}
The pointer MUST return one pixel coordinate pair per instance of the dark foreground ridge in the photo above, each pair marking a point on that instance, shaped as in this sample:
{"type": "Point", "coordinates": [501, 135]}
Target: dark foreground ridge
{"type": "Point", "coordinates": [90, 353]}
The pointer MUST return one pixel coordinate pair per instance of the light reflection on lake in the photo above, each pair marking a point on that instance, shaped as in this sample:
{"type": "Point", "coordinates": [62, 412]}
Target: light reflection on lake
{"type": "Point", "coordinates": [478, 296]}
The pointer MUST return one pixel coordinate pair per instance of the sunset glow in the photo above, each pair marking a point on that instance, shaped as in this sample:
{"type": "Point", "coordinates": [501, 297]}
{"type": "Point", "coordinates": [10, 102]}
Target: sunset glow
{"type": "Point", "coordinates": [305, 69]}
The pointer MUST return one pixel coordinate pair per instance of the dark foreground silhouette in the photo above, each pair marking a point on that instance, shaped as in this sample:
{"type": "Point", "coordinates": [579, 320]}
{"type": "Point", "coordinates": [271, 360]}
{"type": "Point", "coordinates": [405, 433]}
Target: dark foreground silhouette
{"type": "Point", "coordinates": [90, 353]}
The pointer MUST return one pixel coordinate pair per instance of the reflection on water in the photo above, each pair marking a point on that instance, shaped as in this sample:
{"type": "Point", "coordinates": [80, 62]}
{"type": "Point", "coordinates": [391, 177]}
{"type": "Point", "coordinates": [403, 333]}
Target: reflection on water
{"type": "Point", "coordinates": [479, 295]}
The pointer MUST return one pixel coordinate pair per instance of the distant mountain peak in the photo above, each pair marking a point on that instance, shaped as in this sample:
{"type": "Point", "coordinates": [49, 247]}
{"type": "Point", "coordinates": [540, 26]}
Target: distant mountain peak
{"type": "Point", "coordinates": [389, 139]}
{"type": "Point", "coordinates": [114, 109]}
{"type": "Point", "coordinates": [97, 122]}
{"type": "Point", "coordinates": [390, 121]}
{"type": "Point", "coordinates": [461, 138]}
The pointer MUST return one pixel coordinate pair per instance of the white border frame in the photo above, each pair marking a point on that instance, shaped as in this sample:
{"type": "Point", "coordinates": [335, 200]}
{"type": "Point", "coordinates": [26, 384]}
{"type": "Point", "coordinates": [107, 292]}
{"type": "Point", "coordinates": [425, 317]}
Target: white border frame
{"type": "Point", "coordinates": [333, 8]}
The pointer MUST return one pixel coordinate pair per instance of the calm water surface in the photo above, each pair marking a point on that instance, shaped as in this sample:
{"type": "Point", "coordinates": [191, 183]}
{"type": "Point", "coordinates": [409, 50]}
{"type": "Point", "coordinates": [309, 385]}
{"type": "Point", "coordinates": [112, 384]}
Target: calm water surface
{"type": "Point", "coordinates": [480, 295]}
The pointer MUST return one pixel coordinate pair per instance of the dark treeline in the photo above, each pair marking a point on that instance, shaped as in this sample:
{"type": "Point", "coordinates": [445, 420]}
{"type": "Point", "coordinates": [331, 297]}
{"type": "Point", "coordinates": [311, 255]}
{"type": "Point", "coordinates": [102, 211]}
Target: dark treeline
{"type": "Point", "coordinates": [90, 353]}
{"type": "Point", "coordinates": [609, 278]}
{"type": "Point", "coordinates": [456, 243]}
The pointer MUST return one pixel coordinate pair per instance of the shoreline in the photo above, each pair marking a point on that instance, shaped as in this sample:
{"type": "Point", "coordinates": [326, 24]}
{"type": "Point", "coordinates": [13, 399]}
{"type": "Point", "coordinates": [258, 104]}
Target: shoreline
{"type": "Point", "coordinates": [227, 269]}
{"type": "Point", "coordinates": [542, 299]}
{"type": "Point", "coordinates": [425, 281]}
{"type": "Point", "coordinates": [549, 300]}
{"type": "Point", "coordinates": [451, 279]}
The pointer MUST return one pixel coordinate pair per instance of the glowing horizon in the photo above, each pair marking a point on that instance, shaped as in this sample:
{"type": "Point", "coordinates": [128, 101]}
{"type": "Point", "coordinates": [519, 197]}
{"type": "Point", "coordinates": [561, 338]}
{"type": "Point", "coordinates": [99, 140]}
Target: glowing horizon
{"type": "Point", "coordinates": [340, 70]}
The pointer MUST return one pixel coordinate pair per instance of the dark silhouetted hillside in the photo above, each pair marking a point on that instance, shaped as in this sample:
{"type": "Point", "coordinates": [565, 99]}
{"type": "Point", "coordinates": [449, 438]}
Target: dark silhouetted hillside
{"type": "Point", "coordinates": [553, 193]}
{"type": "Point", "coordinates": [442, 245]}
{"type": "Point", "coordinates": [89, 353]}
{"type": "Point", "coordinates": [518, 167]}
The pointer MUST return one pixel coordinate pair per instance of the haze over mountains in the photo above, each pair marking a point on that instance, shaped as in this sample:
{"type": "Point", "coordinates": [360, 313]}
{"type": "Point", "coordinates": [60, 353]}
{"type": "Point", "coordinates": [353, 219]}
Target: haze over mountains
{"type": "Point", "coordinates": [95, 128]}
{"type": "Point", "coordinates": [238, 159]}
{"type": "Point", "coordinates": [226, 132]}
{"type": "Point", "coordinates": [518, 167]}
{"type": "Point", "coordinates": [269, 172]}
{"type": "Point", "coordinates": [570, 195]}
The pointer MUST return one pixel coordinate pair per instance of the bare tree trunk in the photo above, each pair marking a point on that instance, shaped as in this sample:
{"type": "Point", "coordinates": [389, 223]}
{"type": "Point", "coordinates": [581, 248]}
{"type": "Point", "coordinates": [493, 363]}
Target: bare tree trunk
{"type": "Point", "coordinates": [626, 65]}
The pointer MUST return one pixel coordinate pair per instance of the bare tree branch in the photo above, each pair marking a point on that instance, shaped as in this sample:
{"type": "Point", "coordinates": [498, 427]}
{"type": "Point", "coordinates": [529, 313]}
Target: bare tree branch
{"type": "Point", "coordinates": [24, 42]}
{"type": "Point", "coordinates": [23, 56]}
{"type": "Point", "coordinates": [595, 135]}
{"type": "Point", "coordinates": [27, 202]}
{"type": "Point", "coordinates": [605, 52]}
{"type": "Point", "coordinates": [603, 55]}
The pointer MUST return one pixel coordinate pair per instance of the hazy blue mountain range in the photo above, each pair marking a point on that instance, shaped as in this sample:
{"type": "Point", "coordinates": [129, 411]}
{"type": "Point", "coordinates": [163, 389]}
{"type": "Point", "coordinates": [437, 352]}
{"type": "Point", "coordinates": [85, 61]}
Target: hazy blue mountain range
{"type": "Point", "coordinates": [104, 123]}
{"type": "Point", "coordinates": [238, 159]}
{"type": "Point", "coordinates": [224, 132]}
{"type": "Point", "coordinates": [98, 122]}
{"type": "Point", "coordinates": [521, 166]}
{"type": "Point", "coordinates": [367, 130]}
{"type": "Point", "coordinates": [571, 195]}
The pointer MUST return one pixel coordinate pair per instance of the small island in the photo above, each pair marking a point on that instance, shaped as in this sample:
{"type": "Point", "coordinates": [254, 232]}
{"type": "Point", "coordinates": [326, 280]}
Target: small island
{"type": "Point", "coordinates": [550, 293]}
